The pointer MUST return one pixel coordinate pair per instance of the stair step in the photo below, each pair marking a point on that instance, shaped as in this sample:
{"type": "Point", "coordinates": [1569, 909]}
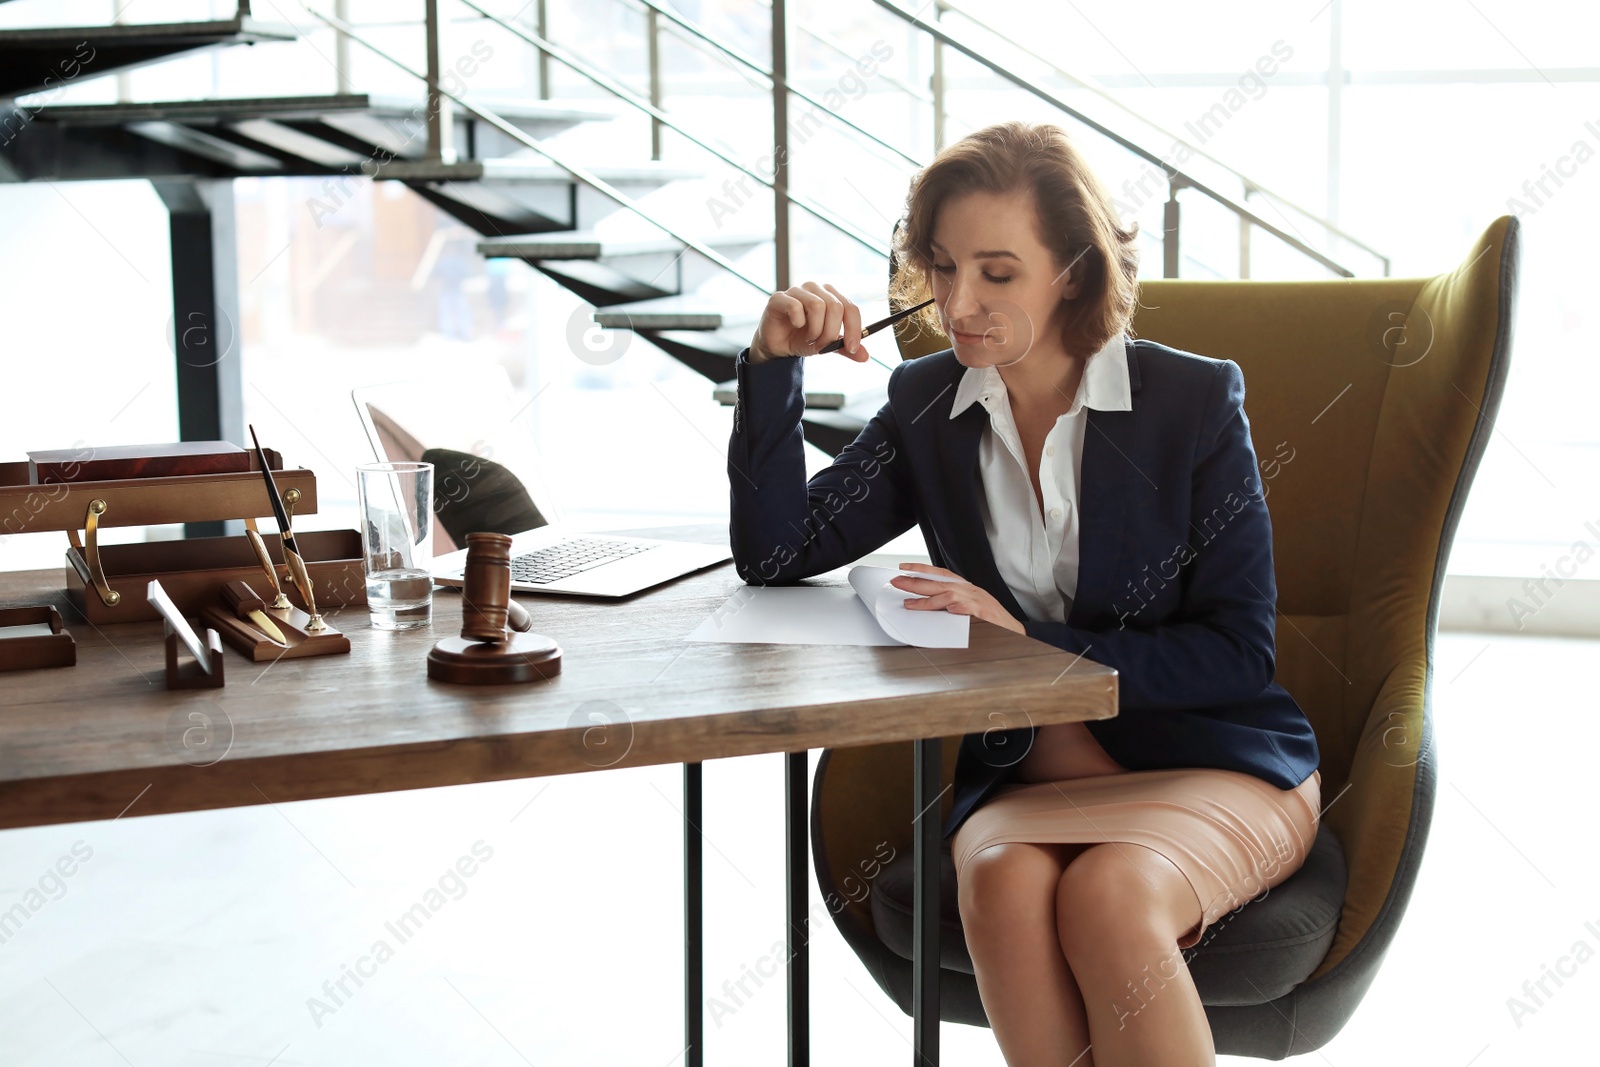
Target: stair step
{"type": "Point", "coordinates": [207, 146]}
{"type": "Point", "coordinates": [586, 244]}
{"type": "Point", "coordinates": [705, 341]}
{"type": "Point", "coordinates": [523, 172]}
{"type": "Point", "coordinates": [819, 397]}
{"type": "Point", "coordinates": [676, 313]}
{"type": "Point", "coordinates": [235, 109]}
{"type": "Point", "coordinates": [515, 112]}
{"type": "Point", "coordinates": [290, 124]}
{"type": "Point", "coordinates": [600, 284]}
{"type": "Point", "coordinates": [149, 32]}
{"type": "Point", "coordinates": [392, 123]}
{"type": "Point", "coordinates": [33, 60]}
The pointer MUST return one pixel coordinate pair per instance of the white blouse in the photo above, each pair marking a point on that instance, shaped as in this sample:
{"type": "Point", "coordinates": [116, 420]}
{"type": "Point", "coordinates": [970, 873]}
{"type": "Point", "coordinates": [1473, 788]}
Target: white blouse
{"type": "Point", "coordinates": [1038, 554]}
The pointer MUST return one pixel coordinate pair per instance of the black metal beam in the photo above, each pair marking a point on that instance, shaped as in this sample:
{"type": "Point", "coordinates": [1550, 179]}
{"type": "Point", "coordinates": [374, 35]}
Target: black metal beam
{"type": "Point", "coordinates": [694, 1030]}
{"type": "Point", "coordinates": [925, 904]}
{"type": "Point", "coordinates": [797, 902]}
{"type": "Point", "coordinates": [205, 317]}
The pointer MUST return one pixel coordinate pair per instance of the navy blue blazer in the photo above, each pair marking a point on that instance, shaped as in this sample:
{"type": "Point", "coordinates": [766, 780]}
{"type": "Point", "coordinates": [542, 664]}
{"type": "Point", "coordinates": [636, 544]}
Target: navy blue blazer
{"type": "Point", "coordinates": [1175, 580]}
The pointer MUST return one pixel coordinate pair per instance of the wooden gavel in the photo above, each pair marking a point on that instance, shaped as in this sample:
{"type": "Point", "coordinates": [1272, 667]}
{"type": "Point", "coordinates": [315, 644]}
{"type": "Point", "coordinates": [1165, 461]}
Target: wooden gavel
{"type": "Point", "coordinates": [496, 645]}
{"type": "Point", "coordinates": [486, 605]}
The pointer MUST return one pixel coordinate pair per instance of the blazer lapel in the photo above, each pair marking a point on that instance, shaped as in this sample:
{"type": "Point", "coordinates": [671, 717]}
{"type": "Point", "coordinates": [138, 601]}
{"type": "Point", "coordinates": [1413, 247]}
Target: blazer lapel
{"type": "Point", "coordinates": [1103, 480]}
{"type": "Point", "coordinates": [1102, 511]}
{"type": "Point", "coordinates": [1102, 501]}
{"type": "Point", "coordinates": [969, 555]}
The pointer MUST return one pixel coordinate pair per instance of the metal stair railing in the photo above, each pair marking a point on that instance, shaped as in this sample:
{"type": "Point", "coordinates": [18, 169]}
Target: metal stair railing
{"type": "Point", "coordinates": [694, 32]}
{"type": "Point", "coordinates": [556, 156]}
{"type": "Point", "coordinates": [1250, 185]}
{"type": "Point", "coordinates": [1177, 178]}
{"type": "Point", "coordinates": [716, 148]}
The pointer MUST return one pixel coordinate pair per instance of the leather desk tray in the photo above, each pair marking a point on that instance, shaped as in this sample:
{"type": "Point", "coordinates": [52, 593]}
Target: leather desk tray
{"type": "Point", "coordinates": [193, 572]}
{"type": "Point", "coordinates": [70, 506]}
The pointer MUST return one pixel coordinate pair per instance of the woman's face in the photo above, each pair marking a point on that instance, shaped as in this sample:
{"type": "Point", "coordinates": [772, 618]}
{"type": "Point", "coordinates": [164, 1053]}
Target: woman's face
{"type": "Point", "coordinates": [998, 289]}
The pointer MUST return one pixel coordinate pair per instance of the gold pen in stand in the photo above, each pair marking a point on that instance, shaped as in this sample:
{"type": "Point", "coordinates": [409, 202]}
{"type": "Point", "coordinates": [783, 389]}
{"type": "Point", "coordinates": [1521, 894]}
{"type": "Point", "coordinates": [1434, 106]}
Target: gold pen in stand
{"type": "Point", "coordinates": [291, 551]}
{"type": "Point", "coordinates": [260, 547]}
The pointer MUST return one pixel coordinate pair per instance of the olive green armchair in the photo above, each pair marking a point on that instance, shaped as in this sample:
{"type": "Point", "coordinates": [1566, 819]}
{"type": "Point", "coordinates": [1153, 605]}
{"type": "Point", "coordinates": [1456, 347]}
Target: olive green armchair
{"type": "Point", "coordinates": [1370, 402]}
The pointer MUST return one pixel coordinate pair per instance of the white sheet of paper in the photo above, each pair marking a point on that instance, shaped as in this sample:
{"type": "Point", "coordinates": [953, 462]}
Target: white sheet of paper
{"type": "Point", "coordinates": [809, 615]}
{"type": "Point", "coordinates": [928, 629]}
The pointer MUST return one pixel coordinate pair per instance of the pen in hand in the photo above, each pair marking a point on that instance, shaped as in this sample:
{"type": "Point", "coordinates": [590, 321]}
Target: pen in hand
{"type": "Point", "coordinates": [867, 331]}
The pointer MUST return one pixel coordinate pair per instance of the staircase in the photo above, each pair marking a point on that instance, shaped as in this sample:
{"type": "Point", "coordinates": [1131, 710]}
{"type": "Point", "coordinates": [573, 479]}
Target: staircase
{"type": "Point", "coordinates": [34, 61]}
{"type": "Point", "coordinates": [576, 221]}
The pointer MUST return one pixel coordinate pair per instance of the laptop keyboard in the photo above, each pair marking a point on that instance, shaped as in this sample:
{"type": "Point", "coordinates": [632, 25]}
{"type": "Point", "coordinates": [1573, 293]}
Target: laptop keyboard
{"type": "Point", "coordinates": [570, 557]}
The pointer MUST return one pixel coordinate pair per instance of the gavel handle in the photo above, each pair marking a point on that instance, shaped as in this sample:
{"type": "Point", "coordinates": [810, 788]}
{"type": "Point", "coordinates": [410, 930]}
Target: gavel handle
{"type": "Point", "coordinates": [517, 617]}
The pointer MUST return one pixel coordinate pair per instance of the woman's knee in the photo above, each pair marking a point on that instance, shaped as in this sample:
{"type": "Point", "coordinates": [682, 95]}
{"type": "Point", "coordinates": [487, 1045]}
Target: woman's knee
{"type": "Point", "coordinates": [1122, 893]}
{"type": "Point", "coordinates": [1001, 879]}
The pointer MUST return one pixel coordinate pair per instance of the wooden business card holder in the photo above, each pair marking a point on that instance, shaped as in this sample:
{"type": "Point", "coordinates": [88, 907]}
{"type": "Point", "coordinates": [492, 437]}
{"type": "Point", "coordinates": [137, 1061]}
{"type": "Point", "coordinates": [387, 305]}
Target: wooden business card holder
{"type": "Point", "coordinates": [55, 649]}
{"type": "Point", "coordinates": [186, 672]}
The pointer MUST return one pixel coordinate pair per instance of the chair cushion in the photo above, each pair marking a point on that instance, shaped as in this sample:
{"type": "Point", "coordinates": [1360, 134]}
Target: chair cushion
{"type": "Point", "coordinates": [892, 897]}
{"type": "Point", "coordinates": [1254, 954]}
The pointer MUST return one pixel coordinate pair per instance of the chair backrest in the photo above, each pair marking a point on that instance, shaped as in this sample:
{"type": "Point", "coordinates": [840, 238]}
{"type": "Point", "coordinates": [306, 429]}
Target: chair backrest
{"type": "Point", "coordinates": [1370, 403]}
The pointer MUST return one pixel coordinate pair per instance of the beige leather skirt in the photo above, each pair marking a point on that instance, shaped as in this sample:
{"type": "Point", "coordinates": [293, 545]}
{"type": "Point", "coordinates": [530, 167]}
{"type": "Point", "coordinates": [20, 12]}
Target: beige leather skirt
{"type": "Point", "coordinates": [1233, 835]}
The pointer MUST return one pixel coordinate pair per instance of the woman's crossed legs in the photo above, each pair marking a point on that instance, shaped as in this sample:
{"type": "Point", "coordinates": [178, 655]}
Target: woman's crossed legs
{"type": "Point", "coordinates": [1074, 947]}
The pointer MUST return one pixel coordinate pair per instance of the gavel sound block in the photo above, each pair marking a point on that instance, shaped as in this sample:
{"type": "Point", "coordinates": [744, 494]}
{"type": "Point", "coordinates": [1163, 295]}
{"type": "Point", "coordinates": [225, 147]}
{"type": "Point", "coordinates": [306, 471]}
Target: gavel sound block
{"type": "Point", "coordinates": [494, 647]}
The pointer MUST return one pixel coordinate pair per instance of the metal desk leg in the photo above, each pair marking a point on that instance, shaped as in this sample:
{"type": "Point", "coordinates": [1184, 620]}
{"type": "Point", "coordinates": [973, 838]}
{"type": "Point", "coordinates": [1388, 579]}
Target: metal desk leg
{"type": "Point", "coordinates": [693, 918]}
{"type": "Point", "coordinates": [925, 906]}
{"type": "Point", "coordinates": [797, 892]}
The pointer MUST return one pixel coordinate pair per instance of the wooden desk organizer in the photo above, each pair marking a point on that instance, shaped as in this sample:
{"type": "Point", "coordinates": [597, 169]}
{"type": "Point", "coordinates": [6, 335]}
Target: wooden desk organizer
{"type": "Point", "coordinates": [194, 571]}
{"type": "Point", "coordinates": [55, 649]}
{"type": "Point", "coordinates": [106, 582]}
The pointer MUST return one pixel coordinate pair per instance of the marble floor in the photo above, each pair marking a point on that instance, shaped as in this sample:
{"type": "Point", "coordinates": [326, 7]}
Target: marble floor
{"type": "Point", "coordinates": [549, 926]}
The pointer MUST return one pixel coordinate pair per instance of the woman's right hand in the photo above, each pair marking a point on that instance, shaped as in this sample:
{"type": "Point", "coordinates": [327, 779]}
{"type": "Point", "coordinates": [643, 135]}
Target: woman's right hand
{"type": "Point", "coordinates": [803, 318]}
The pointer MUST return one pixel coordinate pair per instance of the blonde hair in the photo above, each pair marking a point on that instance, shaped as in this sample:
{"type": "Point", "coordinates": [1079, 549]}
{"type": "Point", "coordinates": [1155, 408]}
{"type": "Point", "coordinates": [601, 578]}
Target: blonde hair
{"type": "Point", "coordinates": [1076, 217]}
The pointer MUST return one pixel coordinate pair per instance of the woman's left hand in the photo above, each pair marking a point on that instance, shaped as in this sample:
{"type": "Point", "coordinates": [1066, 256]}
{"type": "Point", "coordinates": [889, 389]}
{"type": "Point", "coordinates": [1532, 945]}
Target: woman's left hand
{"type": "Point", "coordinates": [959, 597]}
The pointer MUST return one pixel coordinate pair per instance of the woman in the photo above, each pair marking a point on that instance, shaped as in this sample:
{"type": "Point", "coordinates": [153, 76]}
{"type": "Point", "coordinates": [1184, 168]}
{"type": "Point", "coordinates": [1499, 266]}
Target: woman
{"type": "Point", "coordinates": [1087, 490]}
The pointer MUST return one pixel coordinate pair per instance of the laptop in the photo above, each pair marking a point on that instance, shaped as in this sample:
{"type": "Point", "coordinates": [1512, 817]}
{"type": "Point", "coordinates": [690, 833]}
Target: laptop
{"type": "Point", "coordinates": [488, 427]}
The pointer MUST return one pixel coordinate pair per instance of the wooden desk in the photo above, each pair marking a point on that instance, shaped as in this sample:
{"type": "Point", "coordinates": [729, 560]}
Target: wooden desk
{"type": "Point", "coordinates": [106, 737]}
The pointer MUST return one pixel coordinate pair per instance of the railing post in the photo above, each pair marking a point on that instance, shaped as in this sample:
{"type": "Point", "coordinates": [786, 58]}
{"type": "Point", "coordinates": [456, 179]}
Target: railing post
{"type": "Point", "coordinates": [1169, 228]}
{"type": "Point", "coordinates": [441, 126]}
{"type": "Point", "coordinates": [936, 83]}
{"type": "Point", "coordinates": [1244, 235]}
{"type": "Point", "coordinates": [780, 140]}
{"type": "Point", "coordinates": [653, 33]}
{"type": "Point", "coordinates": [341, 48]}
{"type": "Point", "coordinates": [540, 18]}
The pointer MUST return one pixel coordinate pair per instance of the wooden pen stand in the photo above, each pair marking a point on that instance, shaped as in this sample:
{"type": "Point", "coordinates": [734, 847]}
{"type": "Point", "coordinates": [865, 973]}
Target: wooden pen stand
{"type": "Point", "coordinates": [244, 636]}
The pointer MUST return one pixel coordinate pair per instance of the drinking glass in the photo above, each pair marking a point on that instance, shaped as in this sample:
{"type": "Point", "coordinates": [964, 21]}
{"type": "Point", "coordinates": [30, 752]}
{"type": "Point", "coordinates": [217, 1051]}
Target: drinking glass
{"type": "Point", "coordinates": [396, 505]}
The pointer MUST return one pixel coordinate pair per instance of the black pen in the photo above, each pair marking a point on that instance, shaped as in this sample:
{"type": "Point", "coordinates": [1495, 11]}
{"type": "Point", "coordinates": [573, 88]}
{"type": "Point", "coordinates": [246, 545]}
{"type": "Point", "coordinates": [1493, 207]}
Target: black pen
{"type": "Point", "coordinates": [285, 536]}
{"type": "Point", "coordinates": [867, 331]}
{"type": "Point", "coordinates": [291, 551]}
